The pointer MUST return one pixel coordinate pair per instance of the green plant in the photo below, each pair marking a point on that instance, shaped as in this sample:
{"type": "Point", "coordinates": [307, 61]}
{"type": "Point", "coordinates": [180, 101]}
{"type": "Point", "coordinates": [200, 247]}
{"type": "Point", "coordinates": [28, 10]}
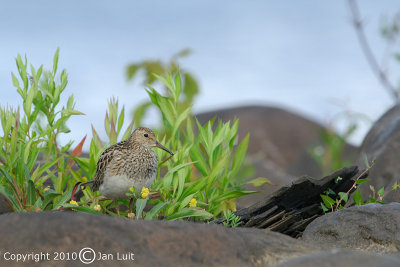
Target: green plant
{"type": "Point", "coordinates": [332, 202]}
{"type": "Point", "coordinates": [148, 68]}
{"type": "Point", "coordinates": [200, 180]}
{"type": "Point", "coordinates": [231, 220]}
{"type": "Point", "coordinates": [30, 152]}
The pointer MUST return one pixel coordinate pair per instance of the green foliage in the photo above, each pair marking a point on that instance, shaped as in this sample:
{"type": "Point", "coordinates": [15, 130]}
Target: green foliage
{"type": "Point", "coordinates": [332, 202]}
{"type": "Point", "coordinates": [203, 170]}
{"type": "Point", "coordinates": [231, 220]}
{"type": "Point", "coordinates": [202, 180]}
{"type": "Point", "coordinates": [152, 71]}
{"type": "Point", "coordinates": [34, 132]}
{"type": "Point", "coordinates": [204, 166]}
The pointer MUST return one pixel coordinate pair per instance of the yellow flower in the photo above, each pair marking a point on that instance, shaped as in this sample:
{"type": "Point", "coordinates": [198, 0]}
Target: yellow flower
{"type": "Point", "coordinates": [73, 202]}
{"type": "Point", "coordinates": [145, 192]}
{"type": "Point", "coordinates": [97, 207]}
{"type": "Point", "coordinates": [84, 179]}
{"type": "Point", "coordinates": [46, 188]}
{"type": "Point", "coordinates": [193, 202]}
{"type": "Point", "coordinates": [131, 215]}
{"type": "Point", "coordinates": [131, 189]}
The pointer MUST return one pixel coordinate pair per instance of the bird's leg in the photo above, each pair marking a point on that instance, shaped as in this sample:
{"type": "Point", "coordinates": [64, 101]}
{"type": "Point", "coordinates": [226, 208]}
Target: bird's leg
{"type": "Point", "coordinates": [116, 207]}
{"type": "Point", "coordinates": [130, 205]}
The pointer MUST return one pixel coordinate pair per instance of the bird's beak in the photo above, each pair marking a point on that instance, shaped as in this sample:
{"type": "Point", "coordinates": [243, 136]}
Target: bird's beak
{"type": "Point", "coordinates": [163, 148]}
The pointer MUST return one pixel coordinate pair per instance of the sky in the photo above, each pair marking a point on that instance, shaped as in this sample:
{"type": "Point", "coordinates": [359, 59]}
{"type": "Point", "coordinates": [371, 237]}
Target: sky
{"type": "Point", "coordinates": [303, 56]}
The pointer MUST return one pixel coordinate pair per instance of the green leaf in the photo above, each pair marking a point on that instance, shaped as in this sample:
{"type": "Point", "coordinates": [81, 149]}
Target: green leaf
{"type": "Point", "coordinates": [27, 150]}
{"type": "Point", "coordinates": [132, 70]}
{"type": "Point", "coordinates": [197, 156]}
{"type": "Point", "coordinates": [194, 187]}
{"type": "Point", "coordinates": [329, 202]}
{"type": "Point", "coordinates": [71, 112]}
{"type": "Point", "coordinates": [324, 208]}
{"type": "Point", "coordinates": [357, 197]}
{"type": "Point", "coordinates": [182, 173]}
{"type": "Point", "coordinates": [360, 181]}
{"type": "Point", "coordinates": [49, 195]}
{"type": "Point", "coordinates": [121, 119]}
{"type": "Point", "coordinates": [28, 102]}
{"type": "Point", "coordinates": [128, 131]}
{"type": "Point", "coordinates": [81, 208]}
{"type": "Point", "coordinates": [331, 192]}
{"type": "Point", "coordinates": [180, 119]}
{"type": "Point", "coordinates": [259, 181]}
{"type": "Point", "coordinates": [190, 212]}
{"type": "Point", "coordinates": [15, 80]}
{"type": "Point", "coordinates": [31, 193]}
{"type": "Point", "coordinates": [232, 194]}
{"type": "Point", "coordinates": [167, 83]}
{"type": "Point", "coordinates": [367, 162]}
{"type": "Point", "coordinates": [55, 61]}
{"type": "Point", "coordinates": [178, 84]}
{"type": "Point", "coordinates": [10, 196]}
{"type": "Point", "coordinates": [239, 155]}
{"type": "Point", "coordinates": [186, 201]}
{"type": "Point", "coordinates": [65, 197]}
{"type": "Point", "coordinates": [140, 204]}
{"type": "Point", "coordinates": [343, 196]}
{"type": "Point", "coordinates": [9, 180]}
{"type": "Point", "coordinates": [381, 191]}
{"type": "Point", "coordinates": [155, 210]}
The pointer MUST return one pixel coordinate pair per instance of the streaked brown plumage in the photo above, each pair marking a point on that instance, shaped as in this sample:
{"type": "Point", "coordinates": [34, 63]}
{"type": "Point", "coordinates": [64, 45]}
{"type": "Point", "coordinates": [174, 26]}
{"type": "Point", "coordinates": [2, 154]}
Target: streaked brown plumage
{"type": "Point", "coordinates": [130, 163]}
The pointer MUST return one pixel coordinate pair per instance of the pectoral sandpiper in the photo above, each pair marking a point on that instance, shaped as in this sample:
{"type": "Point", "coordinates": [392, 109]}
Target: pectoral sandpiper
{"type": "Point", "coordinates": [130, 163]}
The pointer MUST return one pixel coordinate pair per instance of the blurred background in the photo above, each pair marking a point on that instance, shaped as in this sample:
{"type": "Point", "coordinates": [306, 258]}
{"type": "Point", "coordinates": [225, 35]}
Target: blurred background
{"type": "Point", "coordinates": [303, 56]}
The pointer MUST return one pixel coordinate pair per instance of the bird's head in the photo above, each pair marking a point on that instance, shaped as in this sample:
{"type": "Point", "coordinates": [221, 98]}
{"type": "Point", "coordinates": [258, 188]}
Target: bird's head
{"type": "Point", "coordinates": [147, 138]}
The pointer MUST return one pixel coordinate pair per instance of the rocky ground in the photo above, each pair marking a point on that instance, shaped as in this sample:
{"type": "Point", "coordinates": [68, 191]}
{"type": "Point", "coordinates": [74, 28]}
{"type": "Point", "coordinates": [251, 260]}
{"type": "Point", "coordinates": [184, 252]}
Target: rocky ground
{"type": "Point", "coordinates": [366, 235]}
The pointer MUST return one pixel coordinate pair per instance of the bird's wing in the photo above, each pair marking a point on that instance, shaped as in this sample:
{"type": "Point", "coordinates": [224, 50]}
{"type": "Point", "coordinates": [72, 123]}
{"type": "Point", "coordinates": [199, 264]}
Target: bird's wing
{"type": "Point", "coordinates": [105, 158]}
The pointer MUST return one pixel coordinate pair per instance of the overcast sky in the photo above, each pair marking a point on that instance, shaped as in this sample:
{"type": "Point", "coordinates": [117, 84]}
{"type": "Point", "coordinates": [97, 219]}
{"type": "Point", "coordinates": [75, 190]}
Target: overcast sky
{"type": "Point", "coordinates": [300, 55]}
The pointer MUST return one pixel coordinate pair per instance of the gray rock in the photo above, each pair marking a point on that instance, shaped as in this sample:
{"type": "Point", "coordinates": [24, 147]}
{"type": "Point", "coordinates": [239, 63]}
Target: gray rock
{"type": "Point", "coordinates": [372, 227]}
{"type": "Point", "coordinates": [153, 243]}
{"type": "Point", "coordinates": [343, 258]}
{"type": "Point", "coordinates": [382, 143]}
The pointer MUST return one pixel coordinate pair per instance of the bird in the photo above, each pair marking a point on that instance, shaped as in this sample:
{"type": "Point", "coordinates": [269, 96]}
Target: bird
{"type": "Point", "coordinates": [129, 163]}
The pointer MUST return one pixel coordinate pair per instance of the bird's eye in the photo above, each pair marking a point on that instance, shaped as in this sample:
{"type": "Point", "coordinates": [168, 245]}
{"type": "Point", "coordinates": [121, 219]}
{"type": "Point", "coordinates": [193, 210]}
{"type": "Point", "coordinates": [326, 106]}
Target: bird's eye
{"type": "Point", "coordinates": [146, 135]}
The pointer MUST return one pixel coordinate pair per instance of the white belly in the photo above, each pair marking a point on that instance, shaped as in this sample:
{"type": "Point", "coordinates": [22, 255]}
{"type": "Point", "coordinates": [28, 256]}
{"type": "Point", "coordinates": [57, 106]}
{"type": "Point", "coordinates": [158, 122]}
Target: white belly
{"type": "Point", "coordinates": [116, 187]}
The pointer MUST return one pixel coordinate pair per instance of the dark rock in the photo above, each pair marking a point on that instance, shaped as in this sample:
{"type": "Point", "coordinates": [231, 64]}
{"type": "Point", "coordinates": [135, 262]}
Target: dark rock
{"type": "Point", "coordinates": [154, 243]}
{"type": "Point", "coordinates": [343, 258]}
{"type": "Point", "coordinates": [372, 227]}
{"type": "Point", "coordinates": [382, 143]}
{"type": "Point", "coordinates": [4, 208]}
{"type": "Point", "coordinates": [293, 207]}
{"type": "Point", "coordinates": [279, 145]}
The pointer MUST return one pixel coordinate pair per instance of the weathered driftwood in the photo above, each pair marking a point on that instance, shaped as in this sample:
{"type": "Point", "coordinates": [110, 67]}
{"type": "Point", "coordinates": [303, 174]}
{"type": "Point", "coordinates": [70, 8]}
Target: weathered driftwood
{"type": "Point", "coordinates": [293, 207]}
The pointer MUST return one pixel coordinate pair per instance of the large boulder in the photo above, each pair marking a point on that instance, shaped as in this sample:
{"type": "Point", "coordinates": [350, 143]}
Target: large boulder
{"type": "Point", "coordinates": [279, 145]}
{"type": "Point", "coordinates": [372, 227]}
{"type": "Point", "coordinates": [152, 243]}
{"type": "Point", "coordinates": [382, 143]}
